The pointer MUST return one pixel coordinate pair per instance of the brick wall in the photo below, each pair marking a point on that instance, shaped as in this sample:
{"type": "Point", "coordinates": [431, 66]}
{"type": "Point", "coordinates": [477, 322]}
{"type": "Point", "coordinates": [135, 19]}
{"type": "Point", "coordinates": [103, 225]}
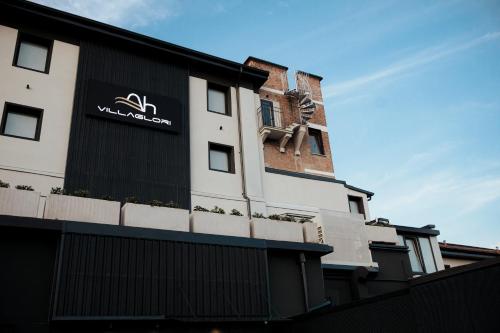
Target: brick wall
{"type": "Point", "coordinates": [288, 161]}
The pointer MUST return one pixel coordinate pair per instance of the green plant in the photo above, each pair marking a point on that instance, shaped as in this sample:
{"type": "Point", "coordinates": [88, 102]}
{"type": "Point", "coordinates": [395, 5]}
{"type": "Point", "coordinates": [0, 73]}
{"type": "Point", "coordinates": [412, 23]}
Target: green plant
{"type": "Point", "coordinates": [156, 203]}
{"type": "Point", "coordinates": [57, 190]}
{"type": "Point", "coordinates": [4, 185]}
{"type": "Point", "coordinates": [81, 193]}
{"type": "Point", "coordinates": [236, 212]}
{"type": "Point", "coordinates": [277, 217]}
{"type": "Point", "coordinates": [200, 209]}
{"type": "Point", "coordinates": [258, 215]}
{"type": "Point", "coordinates": [172, 204]}
{"type": "Point", "coordinates": [132, 200]}
{"type": "Point", "coordinates": [107, 197]}
{"type": "Point", "coordinates": [24, 187]}
{"type": "Point", "coordinates": [218, 210]}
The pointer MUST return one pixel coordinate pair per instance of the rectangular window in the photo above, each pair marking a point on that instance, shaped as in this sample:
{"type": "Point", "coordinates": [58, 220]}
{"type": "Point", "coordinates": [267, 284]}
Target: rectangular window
{"type": "Point", "coordinates": [356, 205]}
{"type": "Point", "coordinates": [420, 252]}
{"type": "Point", "coordinates": [427, 255]}
{"type": "Point", "coordinates": [221, 158]}
{"type": "Point", "coordinates": [316, 142]}
{"type": "Point", "coordinates": [267, 109]}
{"type": "Point", "coordinates": [33, 53]}
{"type": "Point", "coordinates": [415, 258]}
{"type": "Point", "coordinates": [217, 98]}
{"type": "Point", "coordinates": [21, 121]}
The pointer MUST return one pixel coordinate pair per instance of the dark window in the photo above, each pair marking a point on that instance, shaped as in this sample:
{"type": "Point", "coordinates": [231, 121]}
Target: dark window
{"type": "Point", "coordinates": [356, 205]}
{"type": "Point", "coordinates": [221, 157]}
{"type": "Point", "coordinates": [21, 121]}
{"type": "Point", "coordinates": [316, 142]}
{"type": "Point", "coordinates": [33, 53]}
{"type": "Point", "coordinates": [267, 113]}
{"type": "Point", "coordinates": [218, 99]}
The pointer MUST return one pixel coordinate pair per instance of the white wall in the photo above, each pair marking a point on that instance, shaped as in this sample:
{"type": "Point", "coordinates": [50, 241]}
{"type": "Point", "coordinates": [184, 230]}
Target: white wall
{"type": "Point", "coordinates": [454, 262]}
{"type": "Point", "coordinates": [306, 196]}
{"type": "Point", "coordinates": [208, 187]}
{"type": "Point", "coordinates": [37, 163]}
{"type": "Point", "coordinates": [348, 235]}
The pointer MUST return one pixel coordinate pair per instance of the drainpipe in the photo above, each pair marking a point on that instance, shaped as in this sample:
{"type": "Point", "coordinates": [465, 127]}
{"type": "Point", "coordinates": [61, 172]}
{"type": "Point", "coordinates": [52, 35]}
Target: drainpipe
{"type": "Point", "coordinates": [302, 258]}
{"type": "Point", "coordinates": [242, 163]}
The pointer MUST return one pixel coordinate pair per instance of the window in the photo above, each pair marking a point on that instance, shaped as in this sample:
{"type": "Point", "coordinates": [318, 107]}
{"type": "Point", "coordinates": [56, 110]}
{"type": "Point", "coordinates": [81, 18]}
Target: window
{"type": "Point", "coordinates": [420, 253]}
{"type": "Point", "coordinates": [356, 205]}
{"type": "Point", "coordinates": [316, 142]}
{"type": "Point", "coordinates": [267, 112]}
{"type": "Point", "coordinates": [221, 158]}
{"type": "Point", "coordinates": [415, 258]}
{"type": "Point", "coordinates": [33, 53]}
{"type": "Point", "coordinates": [218, 101]}
{"type": "Point", "coordinates": [427, 256]}
{"type": "Point", "coordinates": [21, 121]}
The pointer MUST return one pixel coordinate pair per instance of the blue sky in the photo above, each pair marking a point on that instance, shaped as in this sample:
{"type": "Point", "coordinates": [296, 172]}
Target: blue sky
{"type": "Point", "coordinates": [412, 90]}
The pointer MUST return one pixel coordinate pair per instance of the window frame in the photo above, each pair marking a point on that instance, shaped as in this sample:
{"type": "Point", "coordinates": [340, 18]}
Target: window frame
{"type": "Point", "coordinates": [360, 202]}
{"type": "Point", "coordinates": [419, 254]}
{"type": "Point", "coordinates": [23, 36]}
{"type": "Point", "coordinates": [27, 110]}
{"type": "Point", "coordinates": [224, 148]}
{"type": "Point", "coordinates": [227, 98]}
{"type": "Point", "coordinates": [319, 135]}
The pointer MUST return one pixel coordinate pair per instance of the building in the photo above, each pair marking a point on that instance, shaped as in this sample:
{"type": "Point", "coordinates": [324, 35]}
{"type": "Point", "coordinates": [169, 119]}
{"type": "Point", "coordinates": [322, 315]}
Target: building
{"type": "Point", "coordinates": [457, 254]}
{"type": "Point", "coordinates": [107, 113]}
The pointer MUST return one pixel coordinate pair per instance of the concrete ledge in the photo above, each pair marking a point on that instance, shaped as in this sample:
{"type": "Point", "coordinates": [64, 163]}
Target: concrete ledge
{"type": "Point", "coordinates": [277, 230]}
{"type": "Point", "coordinates": [19, 202]}
{"type": "Point", "coordinates": [219, 224]}
{"type": "Point", "coordinates": [310, 230]}
{"type": "Point", "coordinates": [64, 207]}
{"type": "Point", "coordinates": [145, 216]}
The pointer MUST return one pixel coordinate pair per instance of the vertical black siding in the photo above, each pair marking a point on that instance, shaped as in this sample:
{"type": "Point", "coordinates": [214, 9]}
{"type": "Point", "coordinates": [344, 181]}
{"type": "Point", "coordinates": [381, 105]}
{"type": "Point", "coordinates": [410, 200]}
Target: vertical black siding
{"type": "Point", "coordinates": [119, 159]}
{"type": "Point", "coordinates": [118, 277]}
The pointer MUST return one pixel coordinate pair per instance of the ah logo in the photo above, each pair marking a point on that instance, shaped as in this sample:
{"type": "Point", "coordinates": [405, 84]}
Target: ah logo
{"type": "Point", "coordinates": [139, 105]}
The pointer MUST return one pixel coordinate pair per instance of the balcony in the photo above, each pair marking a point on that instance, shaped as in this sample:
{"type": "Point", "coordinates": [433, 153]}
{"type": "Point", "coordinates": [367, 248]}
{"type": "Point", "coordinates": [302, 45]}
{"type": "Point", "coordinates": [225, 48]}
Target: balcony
{"type": "Point", "coordinates": [273, 126]}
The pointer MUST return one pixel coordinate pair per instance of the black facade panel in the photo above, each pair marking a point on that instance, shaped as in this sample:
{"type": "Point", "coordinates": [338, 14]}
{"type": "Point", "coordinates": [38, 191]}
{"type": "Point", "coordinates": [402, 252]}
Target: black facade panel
{"type": "Point", "coordinates": [120, 159]}
{"type": "Point", "coordinates": [394, 270]}
{"type": "Point", "coordinates": [105, 277]}
{"type": "Point", "coordinates": [27, 261]}
{"type": "Point", "coordinates": [286, 285]}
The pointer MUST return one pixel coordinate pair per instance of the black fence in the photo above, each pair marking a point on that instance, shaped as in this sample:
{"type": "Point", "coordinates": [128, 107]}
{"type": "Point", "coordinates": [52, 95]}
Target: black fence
{"type": "Point", "coordinates": [462, 299]}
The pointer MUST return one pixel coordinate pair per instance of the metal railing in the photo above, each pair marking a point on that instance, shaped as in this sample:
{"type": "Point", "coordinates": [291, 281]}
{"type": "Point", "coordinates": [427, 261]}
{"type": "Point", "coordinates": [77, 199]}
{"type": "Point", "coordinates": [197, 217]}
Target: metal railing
{"type": "Point", "coordinates": [270, 116]}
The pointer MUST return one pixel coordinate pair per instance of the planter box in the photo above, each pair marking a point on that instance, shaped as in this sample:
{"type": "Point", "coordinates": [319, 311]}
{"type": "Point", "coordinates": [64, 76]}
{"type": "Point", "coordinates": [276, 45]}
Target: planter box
{"type": "Point", "coordinates": [19, 202]}
{"type": "Point", "coordinates": [64, 207]}
{"type": "Point", "coordinates": [146, 216]}
{"type": "Point", "coordinates": [311, 234]}
{"type": "Point", "coordinates": [220, 224]}
{"type": "Point", "coordinates": [277, 230]}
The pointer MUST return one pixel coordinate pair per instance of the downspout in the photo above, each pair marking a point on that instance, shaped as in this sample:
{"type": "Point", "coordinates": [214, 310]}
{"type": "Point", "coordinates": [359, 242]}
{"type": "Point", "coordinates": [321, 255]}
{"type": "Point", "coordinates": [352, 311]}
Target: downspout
{"type": "Point", "coordinates": [242, 163]}
{"type": "Point", "coordinates": [302, 259]}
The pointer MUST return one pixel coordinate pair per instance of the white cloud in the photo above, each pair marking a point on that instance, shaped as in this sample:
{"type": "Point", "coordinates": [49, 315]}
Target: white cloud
{"type": "Point", "coordinates": [125, 13]}
{"type": "Point", "coordinates": [403, 66]}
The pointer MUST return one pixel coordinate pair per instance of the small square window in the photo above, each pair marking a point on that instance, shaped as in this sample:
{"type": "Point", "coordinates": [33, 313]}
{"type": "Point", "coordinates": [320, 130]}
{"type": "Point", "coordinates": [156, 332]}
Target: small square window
{"type": "Point", "coordinates": [217, 98]}
{"type": "Point", "coordinates": [221, 158]}
{"type": "Point", "coordinates": [33, 53]}
{"type": "Point", "coordinates": [21, 121]}
{"type": "Point", "coordinates": [356, 205]}
{"type": "Point", "coordinates": [316, 142]}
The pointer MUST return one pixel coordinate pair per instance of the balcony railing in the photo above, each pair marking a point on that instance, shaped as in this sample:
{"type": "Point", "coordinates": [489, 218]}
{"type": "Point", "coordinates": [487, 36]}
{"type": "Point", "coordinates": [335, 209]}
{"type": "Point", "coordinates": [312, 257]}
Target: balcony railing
{"type": "Point", "coordinates": [270, 116]}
